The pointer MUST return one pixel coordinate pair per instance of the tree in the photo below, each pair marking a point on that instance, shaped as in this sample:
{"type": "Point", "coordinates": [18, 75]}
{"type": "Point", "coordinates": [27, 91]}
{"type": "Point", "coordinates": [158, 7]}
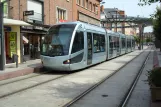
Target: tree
{"type": "Point", "coordinates": [148, 39]}
{"type": "Point", "coordinates": [137, 39]}
{"type": "Point", "coordinates": [157, 24]}
{"type": "Point", "coordinates": [147, 2]}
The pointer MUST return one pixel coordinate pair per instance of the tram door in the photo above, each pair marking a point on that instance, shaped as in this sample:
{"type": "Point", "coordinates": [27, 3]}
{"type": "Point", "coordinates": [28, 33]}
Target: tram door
{"type": "Point", "coordinates": [89, 51]}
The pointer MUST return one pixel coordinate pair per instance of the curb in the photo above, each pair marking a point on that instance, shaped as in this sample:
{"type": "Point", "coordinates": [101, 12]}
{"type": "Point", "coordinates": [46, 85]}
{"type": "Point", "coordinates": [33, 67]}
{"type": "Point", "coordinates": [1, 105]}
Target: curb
{"type": "Point", "coordinates": [21, 72]}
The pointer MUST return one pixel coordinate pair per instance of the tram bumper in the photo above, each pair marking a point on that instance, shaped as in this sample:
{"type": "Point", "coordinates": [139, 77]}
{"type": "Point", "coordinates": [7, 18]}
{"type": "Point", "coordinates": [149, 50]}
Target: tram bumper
{"type": "Point", "coordinates": [55, 63]}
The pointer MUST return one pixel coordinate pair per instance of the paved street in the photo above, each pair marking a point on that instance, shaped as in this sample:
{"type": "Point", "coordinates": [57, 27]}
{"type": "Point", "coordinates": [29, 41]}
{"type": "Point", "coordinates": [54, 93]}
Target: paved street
{"type": "Point", "coordinates": [60, 91]}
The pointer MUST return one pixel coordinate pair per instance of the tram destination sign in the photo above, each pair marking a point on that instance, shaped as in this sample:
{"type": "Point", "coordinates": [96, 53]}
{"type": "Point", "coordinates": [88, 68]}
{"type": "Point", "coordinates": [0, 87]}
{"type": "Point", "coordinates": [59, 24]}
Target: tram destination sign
{"type": "Point", "coordinates": [27, 13]}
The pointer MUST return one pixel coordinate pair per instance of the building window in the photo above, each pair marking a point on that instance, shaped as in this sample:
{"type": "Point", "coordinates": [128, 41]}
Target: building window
{"type": "Point", "coordinates": [5, 8]}
{"type": "Point", "coordinates": [61, 14]}
{"type": "Point", "coordinates": [90, 5]}
{"type": "Point", "coordinates": [86, 4]}
{"type": "Point", "coordinates": [94, 8]}
{"type": "Point", "coordinates": [82, 3]}
{"type": "Point", "coordinates": [78, 1]}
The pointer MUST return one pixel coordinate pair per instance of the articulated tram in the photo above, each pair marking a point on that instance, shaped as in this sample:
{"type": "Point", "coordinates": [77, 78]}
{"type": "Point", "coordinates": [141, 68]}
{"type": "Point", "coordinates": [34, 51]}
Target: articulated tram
{"type": "Point", "coordinates": [76, 45]}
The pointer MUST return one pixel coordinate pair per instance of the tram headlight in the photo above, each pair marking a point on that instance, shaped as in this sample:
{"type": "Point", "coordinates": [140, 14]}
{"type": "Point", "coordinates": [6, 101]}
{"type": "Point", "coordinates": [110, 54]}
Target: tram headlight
{"type": "Point", "coordinates": [67, 61]}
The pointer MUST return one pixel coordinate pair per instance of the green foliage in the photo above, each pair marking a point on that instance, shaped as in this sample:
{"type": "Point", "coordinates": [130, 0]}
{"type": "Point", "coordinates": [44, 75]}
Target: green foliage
{"type": "Point", "coordinates": [154, 77]}
{"type": "Point", "coordinates": [148, 40]}
{"type": "Point", "coordinates": [147, 2]}
{"type": "Point", "coordinates": [137, 39]}
{"type": "Point", "coordinates": [157, 24]}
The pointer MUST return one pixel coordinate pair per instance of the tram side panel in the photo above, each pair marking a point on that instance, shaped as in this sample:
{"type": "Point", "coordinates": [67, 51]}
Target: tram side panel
{"type": "Point", "coordinates": [78, 52]}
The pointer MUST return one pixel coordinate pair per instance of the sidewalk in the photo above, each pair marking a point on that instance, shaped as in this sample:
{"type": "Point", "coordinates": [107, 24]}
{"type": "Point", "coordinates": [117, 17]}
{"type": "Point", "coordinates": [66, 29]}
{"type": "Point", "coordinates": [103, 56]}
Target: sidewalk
{"type": "Point", "coordinates": [156, 63]}
{"type": "Point", "coordinates": [23, 69]}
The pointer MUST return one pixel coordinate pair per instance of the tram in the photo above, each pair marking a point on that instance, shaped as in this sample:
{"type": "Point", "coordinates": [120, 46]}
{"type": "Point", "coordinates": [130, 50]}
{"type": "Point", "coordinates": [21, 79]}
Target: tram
{"type": "Point", "coordinates": [76, 45]}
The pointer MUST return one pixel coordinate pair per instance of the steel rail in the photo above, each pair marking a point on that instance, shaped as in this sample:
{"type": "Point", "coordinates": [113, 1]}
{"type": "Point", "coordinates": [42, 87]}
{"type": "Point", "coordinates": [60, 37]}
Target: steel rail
{"type": "Point", "coordinates": [97, 84]}
{"type": "Point", "coordinates": [129, 92]}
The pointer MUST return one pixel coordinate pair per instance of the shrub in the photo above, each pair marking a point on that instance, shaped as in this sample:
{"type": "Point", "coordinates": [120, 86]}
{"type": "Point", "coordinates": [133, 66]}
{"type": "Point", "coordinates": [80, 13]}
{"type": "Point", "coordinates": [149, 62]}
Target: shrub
{"type": "Point", "coordinates": [154, 77]}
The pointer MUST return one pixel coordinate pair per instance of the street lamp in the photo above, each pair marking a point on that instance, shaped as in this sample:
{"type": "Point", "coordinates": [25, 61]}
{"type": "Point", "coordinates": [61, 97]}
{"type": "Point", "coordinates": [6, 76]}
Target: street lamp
{"type": "Point", "coordinates": [102, 2]}
{"type": "Point", "coordinates": [2, 56]}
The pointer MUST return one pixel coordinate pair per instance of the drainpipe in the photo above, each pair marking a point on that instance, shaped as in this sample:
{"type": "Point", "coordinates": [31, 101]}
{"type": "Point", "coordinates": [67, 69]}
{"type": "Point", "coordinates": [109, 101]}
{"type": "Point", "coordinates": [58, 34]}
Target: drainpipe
{"type": "Point", "coordinates": [49, 12]}
{"type": "Point", "coordinates": [19, 9]}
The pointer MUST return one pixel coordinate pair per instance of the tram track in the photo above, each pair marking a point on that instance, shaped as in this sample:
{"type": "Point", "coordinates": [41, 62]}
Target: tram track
{"type": "Point", "coordinates": [130, 90]}
{"type": "Point", "coordinates": [55, 78]}
{"type": "Point", "coordinates": [21, 79]}
{"type": "Point", "coordinates": [72, 102]}
{"type": "Point", "coordinates": [29, 87]}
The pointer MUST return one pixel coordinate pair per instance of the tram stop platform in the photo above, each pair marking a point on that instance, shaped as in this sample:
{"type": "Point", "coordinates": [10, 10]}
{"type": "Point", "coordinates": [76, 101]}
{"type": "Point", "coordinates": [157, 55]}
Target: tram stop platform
{"type": "Point", "coordinates": [23, 69]}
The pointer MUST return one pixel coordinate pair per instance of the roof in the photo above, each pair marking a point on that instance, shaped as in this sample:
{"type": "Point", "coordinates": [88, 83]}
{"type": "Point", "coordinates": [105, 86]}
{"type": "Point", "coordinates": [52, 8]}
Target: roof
{"type": "Point", "coordinates": [15, 22]}
{"type": "Point", "coordinates": [111, 15]}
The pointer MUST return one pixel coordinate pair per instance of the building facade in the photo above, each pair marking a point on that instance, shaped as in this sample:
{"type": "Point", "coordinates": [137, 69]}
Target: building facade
{"type": "Point", "coordinates": [41, 14]}
{"type": "Point", "coordinates": [110, 19]}
{"type": "Point", "coordinates": [72, 10]}
{"type": "Point", "coordinates": [87, 11]}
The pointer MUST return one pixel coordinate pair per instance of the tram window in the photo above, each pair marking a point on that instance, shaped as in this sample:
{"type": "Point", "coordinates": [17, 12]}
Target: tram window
{"type": "Point", "coordinates": [115, 42]}
{"type": "Point", "coordinates": [78, 43]}
{"type": "Point", "coordinates": [99, 43]}
{"type": "Point", "coordinates": [102, 43]}
{"type": "Point", "coordinates": [127, 43]}
{"type": "Point", "coordinates": [123, 42]}
{"type": "Point", "coordinates": [111, 42]}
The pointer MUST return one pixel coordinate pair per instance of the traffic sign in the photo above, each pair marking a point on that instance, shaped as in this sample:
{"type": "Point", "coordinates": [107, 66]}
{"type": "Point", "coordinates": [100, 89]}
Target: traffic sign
{"type": "Point", "coordinates": [27, 13]}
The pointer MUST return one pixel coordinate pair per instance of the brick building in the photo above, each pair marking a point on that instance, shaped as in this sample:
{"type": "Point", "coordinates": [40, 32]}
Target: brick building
{"type": "Point", "coordinates": [87, 11]}
{"type": "Point", "coordinates": [72, 10]}
{"type": "Point", "coordinates": [45, 14]}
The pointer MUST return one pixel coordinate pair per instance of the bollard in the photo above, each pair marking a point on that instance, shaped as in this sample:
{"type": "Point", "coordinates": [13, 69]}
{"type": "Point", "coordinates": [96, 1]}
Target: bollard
{"type": "Point", "coordinates": [15, 59]}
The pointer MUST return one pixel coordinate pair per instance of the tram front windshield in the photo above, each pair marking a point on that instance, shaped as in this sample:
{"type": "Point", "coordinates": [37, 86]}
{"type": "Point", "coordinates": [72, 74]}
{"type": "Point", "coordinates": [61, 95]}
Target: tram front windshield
{"type": "Point", "coordinates": [57, 40]}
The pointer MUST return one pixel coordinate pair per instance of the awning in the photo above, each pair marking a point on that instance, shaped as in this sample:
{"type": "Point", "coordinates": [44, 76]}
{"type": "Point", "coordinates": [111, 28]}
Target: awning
{"type": "Point", "coordinates": [15, 22]}
{"type": "Point", "coordinates": [25, 39]}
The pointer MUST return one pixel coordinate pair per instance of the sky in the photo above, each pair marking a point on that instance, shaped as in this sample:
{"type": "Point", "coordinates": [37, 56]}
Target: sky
{"type": "Point", "coordinates": [131, 8]}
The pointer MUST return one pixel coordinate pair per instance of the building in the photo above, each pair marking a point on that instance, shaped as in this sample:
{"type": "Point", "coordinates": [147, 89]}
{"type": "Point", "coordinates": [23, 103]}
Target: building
{"type": "Point", "coordinates": [112, 15]}
{"type": "Point", "coordinates": [72, 10]}
{"type": "Point", "coordinates": [57, 11]}
{"type": "Point", "coordinates": [31, 11]}
{"type": "Point", "coordinates": [41, 14]}
{"type": "Point", "coordinates": [130, 30]}
{"type": "Point", "coordinates": [12, 38]}
{"type": "Point", "coordinates": [87, 11]}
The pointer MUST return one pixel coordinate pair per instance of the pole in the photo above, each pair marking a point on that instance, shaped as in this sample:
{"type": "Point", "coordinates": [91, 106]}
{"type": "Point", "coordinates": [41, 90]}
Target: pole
{"type": "Point", "coordinates": [142, 34]}
{"type": "Point", "coordinates": [116, 21]}
{"type": "Point", "coordinates": [140, 38]}
{"type": "Point", "coordinates": [2, 62]}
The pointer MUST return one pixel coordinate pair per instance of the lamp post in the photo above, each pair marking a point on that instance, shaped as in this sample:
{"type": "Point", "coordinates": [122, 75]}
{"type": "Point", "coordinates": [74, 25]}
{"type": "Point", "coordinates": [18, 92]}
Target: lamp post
{"type": "Point", "coordinates": [101, 4]}
{"type": "Point", "coordinates": [2, 56]}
